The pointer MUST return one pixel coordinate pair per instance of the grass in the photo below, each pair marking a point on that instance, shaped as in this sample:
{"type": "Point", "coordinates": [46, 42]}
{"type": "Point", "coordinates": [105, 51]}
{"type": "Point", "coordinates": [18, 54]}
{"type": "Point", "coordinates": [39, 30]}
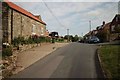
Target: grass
{"type": "Point", "coordinates": [110, 55]}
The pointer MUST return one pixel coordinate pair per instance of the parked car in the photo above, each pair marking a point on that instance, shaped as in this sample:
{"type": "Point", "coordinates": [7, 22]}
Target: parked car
{"type": "Point", "coordinates": [94, 39]}
{"type": "Point", "coordinates": [81, 41]}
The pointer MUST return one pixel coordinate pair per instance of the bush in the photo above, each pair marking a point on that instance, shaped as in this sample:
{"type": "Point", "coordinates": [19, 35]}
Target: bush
{"type": "Point", "coordinates": [60, 40]}
{"type": "Point", "coordinates": [48, 39]}
{"type": "Point", "coordinates": [42, 39]}
{"type": "Point", "coordinates": [7, 51]}
{"type": "Point", "coordinates": [15, 42]}
{"type": "Point", "coordinates": [30, 40]}
{"type": "Point", "coordinates": [18, 40]}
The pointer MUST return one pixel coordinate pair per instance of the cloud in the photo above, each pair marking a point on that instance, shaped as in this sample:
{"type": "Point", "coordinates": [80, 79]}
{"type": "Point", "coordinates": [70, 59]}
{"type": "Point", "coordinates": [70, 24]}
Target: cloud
{"type": "Point", "coordinates": [65, 0]}
{"type": "Point", "coordinates": [73, 15]}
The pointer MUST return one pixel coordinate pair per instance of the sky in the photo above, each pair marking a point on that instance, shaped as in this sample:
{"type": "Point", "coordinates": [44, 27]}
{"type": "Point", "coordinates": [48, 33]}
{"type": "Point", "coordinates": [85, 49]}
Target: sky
{"type": "Point", "coordinates": [73, 14]}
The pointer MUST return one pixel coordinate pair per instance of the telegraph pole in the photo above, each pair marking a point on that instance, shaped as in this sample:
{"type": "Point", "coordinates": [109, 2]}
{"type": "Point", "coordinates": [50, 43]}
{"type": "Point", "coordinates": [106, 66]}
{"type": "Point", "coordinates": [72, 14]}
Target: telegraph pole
{"type": "Point", "coordinates": [90, 29]}
{"type": "Point", "coordinates": [68, 33]}
{"type": "Point", "coordinates": [82, 34]}
{"type": "Point", "coordinates": [90, 25]}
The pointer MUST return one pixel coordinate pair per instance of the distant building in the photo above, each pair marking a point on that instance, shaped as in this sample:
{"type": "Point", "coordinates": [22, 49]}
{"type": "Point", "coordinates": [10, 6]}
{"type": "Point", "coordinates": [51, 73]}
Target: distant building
{"type": "Point", "coordinates": [106, 31]}
{"type": "Point", "coordinates": [103, 32]}
{"type": "Point", "coordinates": [17, 21]}
{"type": "Point", "coordinates": [115, 27]}
{"type": "Point", "coordinates": [115, 24]}
{"type": "Point", "coordinates": [94, 32]}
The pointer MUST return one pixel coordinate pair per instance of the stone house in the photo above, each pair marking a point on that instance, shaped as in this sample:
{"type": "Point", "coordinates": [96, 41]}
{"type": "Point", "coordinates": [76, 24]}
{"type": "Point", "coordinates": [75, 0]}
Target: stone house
{"type": "Point", "coordinates": [103, 32]}
{"type": "Point", "coordinates": [17, 21]}
{"type": "Point", "coordinates": [115, 28]}
{"type": "Point", "coordinates": [94, 32]}
{"type": "Point", "coordinates": [106, 31]}
{"type": "Point", "coordinates": [47, 33]}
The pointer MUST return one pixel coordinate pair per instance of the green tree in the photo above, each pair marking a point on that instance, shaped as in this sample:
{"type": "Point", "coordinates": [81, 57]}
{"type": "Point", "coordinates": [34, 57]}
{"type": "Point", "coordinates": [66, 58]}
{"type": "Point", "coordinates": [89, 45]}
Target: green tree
{"type": "Point", "coordinates": [76, 38]}
{"type": "Point", "coordinates": [68, 37]}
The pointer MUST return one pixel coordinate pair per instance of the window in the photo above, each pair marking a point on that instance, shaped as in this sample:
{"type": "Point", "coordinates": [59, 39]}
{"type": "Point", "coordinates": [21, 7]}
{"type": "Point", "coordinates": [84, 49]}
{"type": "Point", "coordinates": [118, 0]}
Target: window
{"type": "Point", "coordinates": [118, 25]}
{"type": "Point", "coordinates": [112, 27]}
{"type": "Point", "coordinates": [42, 31]}
{"type": "Point", "coordinates": [33, 28]}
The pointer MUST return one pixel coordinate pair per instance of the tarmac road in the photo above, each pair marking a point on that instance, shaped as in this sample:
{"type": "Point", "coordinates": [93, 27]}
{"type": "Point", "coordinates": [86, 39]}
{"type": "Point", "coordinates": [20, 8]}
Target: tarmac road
{"type": "Point", "coordinates": [75, 60]}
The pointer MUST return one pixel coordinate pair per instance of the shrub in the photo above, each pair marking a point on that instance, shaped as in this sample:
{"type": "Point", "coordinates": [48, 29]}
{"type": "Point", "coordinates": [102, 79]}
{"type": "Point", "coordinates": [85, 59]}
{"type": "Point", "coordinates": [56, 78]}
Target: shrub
{"type": "Point", "coordinates": [18, 40]}
{"type": "Point", "coordinates": [42, 39]}
{"type": "Point", "coordinates": [48, 39]}
{"type": "Point", "coordinates": [31, 40]}
{"type": "Point", "coordinates": [7, 51]}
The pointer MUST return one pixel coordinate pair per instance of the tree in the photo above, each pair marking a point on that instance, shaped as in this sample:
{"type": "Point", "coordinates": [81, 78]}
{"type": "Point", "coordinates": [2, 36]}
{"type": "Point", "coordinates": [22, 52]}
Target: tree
{"type": "Point", "coordinates": [54, 36]}
{"type": "Point", "coordinates": [75, 38]}
{"type": "Point", "coordinates": [70, 37]}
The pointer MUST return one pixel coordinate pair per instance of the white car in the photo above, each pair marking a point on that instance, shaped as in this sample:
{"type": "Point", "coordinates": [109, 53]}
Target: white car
{"type": "Point", "coordinates": [94, 39]}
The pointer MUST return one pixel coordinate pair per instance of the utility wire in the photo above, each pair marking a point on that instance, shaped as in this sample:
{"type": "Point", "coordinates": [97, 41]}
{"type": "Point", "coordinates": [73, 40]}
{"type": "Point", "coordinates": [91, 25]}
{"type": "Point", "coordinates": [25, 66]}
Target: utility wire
{"type": "Point", "coordinates": [53, 14]}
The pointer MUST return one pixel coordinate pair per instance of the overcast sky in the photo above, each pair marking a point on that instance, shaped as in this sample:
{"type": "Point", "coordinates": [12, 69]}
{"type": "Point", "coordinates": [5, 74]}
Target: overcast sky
{"type": "Point", "coordinates": [72, 15]}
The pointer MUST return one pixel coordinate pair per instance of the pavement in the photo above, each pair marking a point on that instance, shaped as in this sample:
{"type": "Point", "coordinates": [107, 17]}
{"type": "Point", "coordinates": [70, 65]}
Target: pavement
{"type": "Point", "coordinates": [117, 42]}
{"type": "Point", "coordinates": [28, 57]}
{"type": "Point", "coordinates": [75, 60]}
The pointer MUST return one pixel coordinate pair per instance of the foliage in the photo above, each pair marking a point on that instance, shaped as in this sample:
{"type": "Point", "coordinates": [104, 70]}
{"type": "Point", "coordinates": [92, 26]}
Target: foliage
{"type": "Point", "coordinates": [76, 38]}
{"type": "Point", "coordinates": [18, 40]}
{"type": "Point", "coordinates": [60, 40]}
{"type": "Point", "coordinates": [71, 38]}
{"type": "Point", "coordinates": [66, 37]}
{"type": "Point", "coordinates": [48, 39]}
{"type": "Point", "coordinates": [31, 40]}
{"type": "Point", "coordinates": [7, 51]}
{"type": "Point", "coordinates": [42, 39]}
{"type": "Point", "coordinates": [54, 34]}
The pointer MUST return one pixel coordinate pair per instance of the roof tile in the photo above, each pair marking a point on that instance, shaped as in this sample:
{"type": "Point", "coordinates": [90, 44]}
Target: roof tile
{"type": "Point", "coordinates": [23, 11]}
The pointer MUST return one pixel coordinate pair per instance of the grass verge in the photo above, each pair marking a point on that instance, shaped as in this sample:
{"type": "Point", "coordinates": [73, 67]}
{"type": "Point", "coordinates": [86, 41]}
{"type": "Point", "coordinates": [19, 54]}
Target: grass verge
{"type": "Point", "coordinates": [110, 60]}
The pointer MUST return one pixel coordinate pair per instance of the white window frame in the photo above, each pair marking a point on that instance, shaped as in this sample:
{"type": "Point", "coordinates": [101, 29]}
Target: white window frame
{"type": "Point", "coordinates": [112, 27]}
{"type": "Point", "coordinates": [33, 28]}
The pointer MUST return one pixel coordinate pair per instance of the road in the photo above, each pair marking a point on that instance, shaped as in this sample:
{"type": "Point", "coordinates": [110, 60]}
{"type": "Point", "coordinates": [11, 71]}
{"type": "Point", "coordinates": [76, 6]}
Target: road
{"type": "Point", "coordinates": [75, 60]}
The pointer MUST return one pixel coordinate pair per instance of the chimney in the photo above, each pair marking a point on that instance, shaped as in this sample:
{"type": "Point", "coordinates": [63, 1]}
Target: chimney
{"type": "Point", "coordinates": [39, 17]}
{"type": "Point", "coordinates": [103, 23]}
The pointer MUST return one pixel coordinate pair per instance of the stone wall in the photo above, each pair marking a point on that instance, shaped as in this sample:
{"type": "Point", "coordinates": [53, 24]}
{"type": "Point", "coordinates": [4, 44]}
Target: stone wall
{"type": "Point", "coordinates": [9, 64]}
{"type": "Point", "coordinates": [5, 22]}
{"type": "Point", "coordinates": [113, 36]}
{"type": "Point", "coordinates": [25, 26]}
